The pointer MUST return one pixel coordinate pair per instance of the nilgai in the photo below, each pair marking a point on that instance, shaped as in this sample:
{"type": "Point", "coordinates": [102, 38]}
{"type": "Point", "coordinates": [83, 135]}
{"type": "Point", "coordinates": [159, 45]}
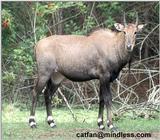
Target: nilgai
{"type": "Point", "coordinates": [101, 55]}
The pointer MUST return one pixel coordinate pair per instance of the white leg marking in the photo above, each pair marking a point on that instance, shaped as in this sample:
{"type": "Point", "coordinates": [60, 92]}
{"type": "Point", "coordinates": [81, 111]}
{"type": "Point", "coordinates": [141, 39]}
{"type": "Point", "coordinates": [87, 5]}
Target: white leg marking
{"type": "Point", "coordinates": [107, 121]}
{"type": "Point", "coordinates": [111, 126]}
{"type": "Point", "coordinates": [52, 124]}
{"type": "Point", "coordinates": [32, 123]}
{"type": "Point", "coordinates": [50, 118]}
{"type": "Point", "coordinates": [32, 117]}
{"type": "Point", "coordinates": [99, 120]}
{"type": "Point", "coordinates": [101, 127]}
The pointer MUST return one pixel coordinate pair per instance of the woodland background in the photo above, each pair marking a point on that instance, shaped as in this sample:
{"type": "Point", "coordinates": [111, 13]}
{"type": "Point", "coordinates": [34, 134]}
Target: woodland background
{"type": "Point", "coordinates": [24, 23]}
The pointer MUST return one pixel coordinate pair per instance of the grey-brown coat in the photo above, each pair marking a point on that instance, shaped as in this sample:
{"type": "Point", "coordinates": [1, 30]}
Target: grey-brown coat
{"type": "Point", "coordinates": [101, 55]}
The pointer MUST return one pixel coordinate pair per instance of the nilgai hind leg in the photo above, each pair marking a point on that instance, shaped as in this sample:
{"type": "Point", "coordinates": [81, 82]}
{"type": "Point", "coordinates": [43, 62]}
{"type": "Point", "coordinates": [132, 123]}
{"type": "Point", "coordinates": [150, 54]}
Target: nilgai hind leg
{"type": "Point", "coordinates": [36, 91]}
{"type": "Point", "coordinates": [49, 92]}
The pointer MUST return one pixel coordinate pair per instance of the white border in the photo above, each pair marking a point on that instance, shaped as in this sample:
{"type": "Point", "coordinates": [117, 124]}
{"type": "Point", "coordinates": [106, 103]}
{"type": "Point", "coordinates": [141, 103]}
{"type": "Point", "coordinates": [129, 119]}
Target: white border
{"type": "Point", "coordinates": [61, 1]}
{"type": "Point", "coordinates": [84, 0]}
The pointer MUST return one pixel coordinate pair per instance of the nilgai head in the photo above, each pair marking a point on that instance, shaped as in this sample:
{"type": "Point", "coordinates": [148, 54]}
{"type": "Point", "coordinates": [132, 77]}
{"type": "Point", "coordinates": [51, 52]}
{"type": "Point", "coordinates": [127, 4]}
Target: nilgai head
{"type": "Point", "coordinates": [130, 30]}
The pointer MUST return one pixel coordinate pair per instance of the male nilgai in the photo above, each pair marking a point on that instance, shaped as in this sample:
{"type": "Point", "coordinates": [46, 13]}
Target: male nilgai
{"type": "Point", "coordinates": [101, 55]}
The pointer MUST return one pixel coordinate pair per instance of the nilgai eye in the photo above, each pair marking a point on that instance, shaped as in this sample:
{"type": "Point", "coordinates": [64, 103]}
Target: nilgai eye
{"type": "Point", "coordinates": [135, 33]}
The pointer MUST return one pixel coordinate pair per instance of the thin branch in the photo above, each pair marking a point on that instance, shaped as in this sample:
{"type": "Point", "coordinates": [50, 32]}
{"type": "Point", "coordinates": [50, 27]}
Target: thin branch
{"type": "Point", "coordinates": [146, 38]}
{"type": "Point", "coordinates": [73, 115]}
{"type": "Point", "coordinates": [34, 24]}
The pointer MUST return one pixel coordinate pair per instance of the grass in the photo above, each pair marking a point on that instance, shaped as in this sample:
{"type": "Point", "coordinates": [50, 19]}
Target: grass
{"type": "Point", "coordinates": [15, 124]}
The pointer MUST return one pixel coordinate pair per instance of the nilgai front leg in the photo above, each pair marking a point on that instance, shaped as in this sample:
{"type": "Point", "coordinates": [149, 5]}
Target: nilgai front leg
{"type": "Point", "coordinates": [107, 97]}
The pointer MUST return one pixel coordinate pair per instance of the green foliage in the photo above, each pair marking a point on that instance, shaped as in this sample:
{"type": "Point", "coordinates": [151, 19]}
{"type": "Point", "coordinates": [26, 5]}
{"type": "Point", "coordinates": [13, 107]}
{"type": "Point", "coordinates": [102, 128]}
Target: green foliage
{"type": "Point", "coordinates": [8, 28]}
{"type": "Point", "coordinates": [109, 10]}
{"type": "Point", "coordinates": [109, 22]}
{"type": "Point", "coordinates": [89, 23]}
{"type": "Point", "coordinates": [56, 101]}
{"type": "Point", "coordinates": [9, 77]}
{"type": "Point", "coordinates": [22, 58]}
{"type": "Point", "coordinates": [20, 65]}
{"type": "Point", "coordinates": [25, 23]}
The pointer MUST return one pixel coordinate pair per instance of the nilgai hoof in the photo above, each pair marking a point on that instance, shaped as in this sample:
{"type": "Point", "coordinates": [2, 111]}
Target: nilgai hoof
{"type": "Point", "coordinates": [32, 122]}
{"type": "Point", "coordinates": [101, 127]}
{"type": "Point", "coordinates": [33, 125]}
{"type": "Point", "coordinates": [51, 122]}
{"type": "Point", "coordinates": [52, 125]}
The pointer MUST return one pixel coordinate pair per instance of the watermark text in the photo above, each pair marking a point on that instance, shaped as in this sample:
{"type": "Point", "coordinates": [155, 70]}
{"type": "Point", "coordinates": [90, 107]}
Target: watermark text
{"type": "Point", "coordinates": [102, 135]}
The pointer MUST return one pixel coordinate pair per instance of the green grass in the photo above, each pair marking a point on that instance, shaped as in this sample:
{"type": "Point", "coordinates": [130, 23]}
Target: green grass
{"type": "Point", "coordinates": [15, 124]}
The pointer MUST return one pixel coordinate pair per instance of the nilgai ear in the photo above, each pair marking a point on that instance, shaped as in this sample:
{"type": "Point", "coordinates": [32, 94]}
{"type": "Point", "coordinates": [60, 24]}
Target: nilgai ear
{"type": "Point", "coordinates": [119, 26]}
{"type": "Point", "coordinates": [140, 27]}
